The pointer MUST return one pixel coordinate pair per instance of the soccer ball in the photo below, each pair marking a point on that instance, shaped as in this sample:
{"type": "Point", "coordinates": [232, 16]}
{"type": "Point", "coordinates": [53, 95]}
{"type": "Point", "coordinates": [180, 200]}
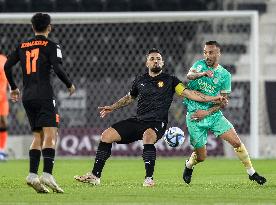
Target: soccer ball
{"type": "Point", "coordinates": [174, 136]}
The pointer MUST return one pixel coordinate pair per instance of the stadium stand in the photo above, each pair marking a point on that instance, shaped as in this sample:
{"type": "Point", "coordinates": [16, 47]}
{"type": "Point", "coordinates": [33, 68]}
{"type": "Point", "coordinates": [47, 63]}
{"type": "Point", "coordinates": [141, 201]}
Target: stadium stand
{"type": "Point", "coordinates": [92, 5]}
{"type": "Point", "coordinates": [42, 5]}
{"type": "Point", "coordinates": [68, 5]}
{"type": "Point", "coordinates": [129, 5]}
{"type": "Point", "coordinates": [119, 5]}
{"type": "Point", "coordinates": [18, 5]}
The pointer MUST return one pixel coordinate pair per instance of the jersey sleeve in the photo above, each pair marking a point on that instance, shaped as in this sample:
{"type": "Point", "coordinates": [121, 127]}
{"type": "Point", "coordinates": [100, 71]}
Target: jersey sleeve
{"type": "Point", "coordinates": [13, 58]}
{"type": "Point", "coordinates": [197, 66]}
{"type": "Point", "coordinates": [134, 89]}
{"type": "Point", "coordinates": [178, 86]}
{"type": "Point", "coordinates": [55, 56]}
{"type": "Point", "coordinates": [226, 87]}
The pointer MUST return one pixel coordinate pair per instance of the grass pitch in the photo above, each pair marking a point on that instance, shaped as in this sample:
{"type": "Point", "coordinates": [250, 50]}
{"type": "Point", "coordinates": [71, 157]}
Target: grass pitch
{"type": "Point", "coordinates": [216, 181]}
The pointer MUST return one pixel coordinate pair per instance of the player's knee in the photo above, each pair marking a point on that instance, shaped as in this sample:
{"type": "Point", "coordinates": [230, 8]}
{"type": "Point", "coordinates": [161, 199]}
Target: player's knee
{"type": "Point", "coordinates": [148, 139]}
{"type": "Point", "coordinates": [106, 137]}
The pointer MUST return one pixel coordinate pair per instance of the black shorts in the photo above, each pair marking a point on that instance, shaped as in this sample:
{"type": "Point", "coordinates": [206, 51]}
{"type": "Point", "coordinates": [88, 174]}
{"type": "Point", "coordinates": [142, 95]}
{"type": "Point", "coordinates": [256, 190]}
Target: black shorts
{"type": "Point", "coordinates": [41, 113]}
{"type": "Point", "coordinates": [132, 129]}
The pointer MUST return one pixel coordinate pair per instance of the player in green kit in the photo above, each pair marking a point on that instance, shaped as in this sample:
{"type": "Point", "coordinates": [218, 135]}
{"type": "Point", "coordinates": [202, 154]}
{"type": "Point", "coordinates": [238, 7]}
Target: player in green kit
{"type": "Point", "coordinates": [210, 78]}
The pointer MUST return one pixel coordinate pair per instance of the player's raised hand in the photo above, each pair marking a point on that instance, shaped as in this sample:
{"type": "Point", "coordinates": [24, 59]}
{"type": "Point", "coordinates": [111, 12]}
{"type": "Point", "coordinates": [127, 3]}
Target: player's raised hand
{"type": "Point", "coordinates": [105, 110]}
{"type": "Point", "coordinates": [209, 73]}
{"type": "Point", "coordinates": [199, 114]}
{"type": "Point", "coordinates": [224, 102]}
{"type": "Point", "coordinates": [71, 90]}
{"type": "Point", "coordinates": [220, 99]}
{"type": "Point", "coordinates": [15, 95]}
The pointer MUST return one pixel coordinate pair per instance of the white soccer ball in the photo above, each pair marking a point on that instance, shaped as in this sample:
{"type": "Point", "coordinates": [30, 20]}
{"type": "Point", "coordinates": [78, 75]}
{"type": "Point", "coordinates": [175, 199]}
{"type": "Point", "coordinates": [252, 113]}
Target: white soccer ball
{"type": "Point", "coordinates": [174, 136]}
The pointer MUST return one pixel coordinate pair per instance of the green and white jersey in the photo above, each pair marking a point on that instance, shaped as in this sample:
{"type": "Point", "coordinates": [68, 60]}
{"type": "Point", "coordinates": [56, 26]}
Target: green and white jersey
{"type": "Point", "coordinates": [219, 83]}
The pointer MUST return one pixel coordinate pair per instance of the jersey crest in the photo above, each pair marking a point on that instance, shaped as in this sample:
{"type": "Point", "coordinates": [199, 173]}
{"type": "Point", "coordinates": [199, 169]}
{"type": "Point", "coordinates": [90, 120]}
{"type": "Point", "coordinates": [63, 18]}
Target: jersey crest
{"type": "Point", "coordinates": [160, 84]}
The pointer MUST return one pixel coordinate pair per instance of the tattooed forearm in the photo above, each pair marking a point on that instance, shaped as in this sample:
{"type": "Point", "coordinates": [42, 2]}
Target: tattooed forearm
{"type": "Point", "coordinates": [202, 96]}
{"type": "Point", "coordinates": [217, 107]}
{"type": "Point", "coordinates": [197, 96]}
{"type": "Point", "coordinates": [124, 101]}
{"type": "Point", "coordinates": [226, 95]}
{"type": "Point", "coordinates": [214, 109]}
{"type": "Point", "coordinates": [194, 75]}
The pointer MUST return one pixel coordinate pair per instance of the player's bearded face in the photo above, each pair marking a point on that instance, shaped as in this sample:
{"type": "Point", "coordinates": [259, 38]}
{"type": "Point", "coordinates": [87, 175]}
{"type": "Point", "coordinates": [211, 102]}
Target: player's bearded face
{"type": "Point", "coordinates": [211, 55]}
{"type": "Point", "coordinates": [155, 62]}
{"type": "Point", "coordinates": [156, 68]}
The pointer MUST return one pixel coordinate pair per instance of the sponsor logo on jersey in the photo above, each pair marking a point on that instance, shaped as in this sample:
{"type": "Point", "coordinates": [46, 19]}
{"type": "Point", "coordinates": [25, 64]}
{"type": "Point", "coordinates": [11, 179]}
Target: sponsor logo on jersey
{"type": "Point", "coordinates": [206, 87]}
{"type": "Point", "coordinates": [160, 84]}
{"type": "Point", "coordinates": [198, 68]}
{"type": "Point", "coordinates": [215, 80]}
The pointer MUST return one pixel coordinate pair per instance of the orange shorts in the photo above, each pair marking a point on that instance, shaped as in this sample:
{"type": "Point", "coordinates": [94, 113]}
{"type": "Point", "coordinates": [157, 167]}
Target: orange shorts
{"type": "Point", "coordinates": [4, 108]}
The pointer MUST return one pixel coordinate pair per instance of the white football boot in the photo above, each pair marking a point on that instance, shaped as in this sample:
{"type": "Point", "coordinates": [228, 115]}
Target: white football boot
{"type": "Point", "coordinates": [48, 180]}
{"type": "Point", "coordinates": [88, 178]}
{"type": "Point", "coordinates": [148, 182]}
{"type": "Point", "coordinates": [34, 182]}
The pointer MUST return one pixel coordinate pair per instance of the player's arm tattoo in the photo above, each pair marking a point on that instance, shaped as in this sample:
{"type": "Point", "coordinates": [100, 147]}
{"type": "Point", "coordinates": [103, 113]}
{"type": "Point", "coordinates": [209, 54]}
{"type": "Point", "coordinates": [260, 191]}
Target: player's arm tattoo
{"type": "Point", "coordinates": [196, 96]}
{"type": "Point", "coordinates": [124, 101]}
{"type": "Point", "coordinates": [193, 74]}
{"type": "Point", "coordinates": [217, 107]}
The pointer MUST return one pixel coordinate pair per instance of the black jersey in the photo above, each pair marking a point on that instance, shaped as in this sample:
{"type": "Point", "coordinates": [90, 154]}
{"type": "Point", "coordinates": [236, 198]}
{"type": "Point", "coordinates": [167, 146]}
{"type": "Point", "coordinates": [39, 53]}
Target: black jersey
{"type": "Point", "coordinates": [37, 57]}
{"type": "Point", "coordinates": [155, 95]}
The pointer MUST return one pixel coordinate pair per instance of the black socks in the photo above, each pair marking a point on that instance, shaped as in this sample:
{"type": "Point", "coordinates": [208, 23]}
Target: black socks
{"type": "Point", "coordinates": [103, 153]}
{"type": "Point", "coordinates": [49, 157]}
{"type": "Point", "coordinates": [34, 155]}
{"type": "Point", "coordinates": [149, 157]}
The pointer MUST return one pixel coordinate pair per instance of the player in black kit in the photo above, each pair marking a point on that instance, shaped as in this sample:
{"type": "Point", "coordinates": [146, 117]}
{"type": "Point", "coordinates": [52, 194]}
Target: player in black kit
{"type": "Point", "coordinates": [154, 91]}
{"type": "Point", "coordinates": [38, 56]}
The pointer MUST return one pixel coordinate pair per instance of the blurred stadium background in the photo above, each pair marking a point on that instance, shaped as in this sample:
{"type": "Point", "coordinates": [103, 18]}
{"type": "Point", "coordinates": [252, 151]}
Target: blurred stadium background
{"type": "Point", "coordinates": [104, 49]}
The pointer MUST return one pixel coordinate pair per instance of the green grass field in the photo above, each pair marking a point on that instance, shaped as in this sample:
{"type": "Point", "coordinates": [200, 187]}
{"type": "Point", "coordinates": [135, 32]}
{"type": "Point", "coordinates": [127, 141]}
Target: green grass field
{"type": "Point", "coordinates": [216, 181]}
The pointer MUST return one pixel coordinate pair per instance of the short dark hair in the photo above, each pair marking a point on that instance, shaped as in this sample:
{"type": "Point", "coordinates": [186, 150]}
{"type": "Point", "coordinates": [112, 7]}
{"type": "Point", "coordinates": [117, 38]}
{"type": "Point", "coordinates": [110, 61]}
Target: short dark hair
{"type": "Point", "coordinates": [154, 50]}
{"type": "Point", "coordinates": [41, 21]}
{"type": "Point", "coordinates": [211, 43]}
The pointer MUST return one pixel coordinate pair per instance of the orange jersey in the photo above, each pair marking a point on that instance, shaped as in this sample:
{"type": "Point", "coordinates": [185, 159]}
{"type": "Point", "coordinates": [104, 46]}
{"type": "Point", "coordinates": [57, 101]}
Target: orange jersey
{"type": "Point", "coordinates": [4, 106]}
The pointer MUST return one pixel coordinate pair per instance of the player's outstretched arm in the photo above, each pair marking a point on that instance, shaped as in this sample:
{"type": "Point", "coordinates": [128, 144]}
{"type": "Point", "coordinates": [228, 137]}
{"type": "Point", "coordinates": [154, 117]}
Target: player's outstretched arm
{"type": "Point", "coordinates": [200, 114]}
{"type": "Point", "coordinates": [198, 96]}
{"type": "Point", "coordinates": [193, 74]}
{"type": "Point", "coordinates": [124, 101]}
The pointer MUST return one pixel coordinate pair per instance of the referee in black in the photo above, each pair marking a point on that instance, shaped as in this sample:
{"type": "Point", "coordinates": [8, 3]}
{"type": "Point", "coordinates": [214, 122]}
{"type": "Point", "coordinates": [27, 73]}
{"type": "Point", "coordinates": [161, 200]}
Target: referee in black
{"type": "Point", "coordinates": [154, 91]}
{"type": "Point", "coordinates": [38, 56]}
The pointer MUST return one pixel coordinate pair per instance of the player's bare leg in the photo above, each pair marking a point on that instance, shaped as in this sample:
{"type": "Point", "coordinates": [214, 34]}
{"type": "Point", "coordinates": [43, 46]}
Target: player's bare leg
{"type": "Point", "coordinates": [149, 156]}
{"type": "Point", "coordinates": [199, 155]}
{"type": "Point", "coordinates": [109, 136]}
{"type": "Point", "coordinates": [48, 153]}
{"type": "Point", "coordinates": [34, 154]}
{"type": "Point", "coordinates": [232, 138]}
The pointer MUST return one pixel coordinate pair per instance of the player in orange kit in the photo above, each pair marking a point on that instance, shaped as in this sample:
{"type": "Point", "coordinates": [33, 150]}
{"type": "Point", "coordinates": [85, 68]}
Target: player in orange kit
{"type": "Point", "coordinates": [4, 108]}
